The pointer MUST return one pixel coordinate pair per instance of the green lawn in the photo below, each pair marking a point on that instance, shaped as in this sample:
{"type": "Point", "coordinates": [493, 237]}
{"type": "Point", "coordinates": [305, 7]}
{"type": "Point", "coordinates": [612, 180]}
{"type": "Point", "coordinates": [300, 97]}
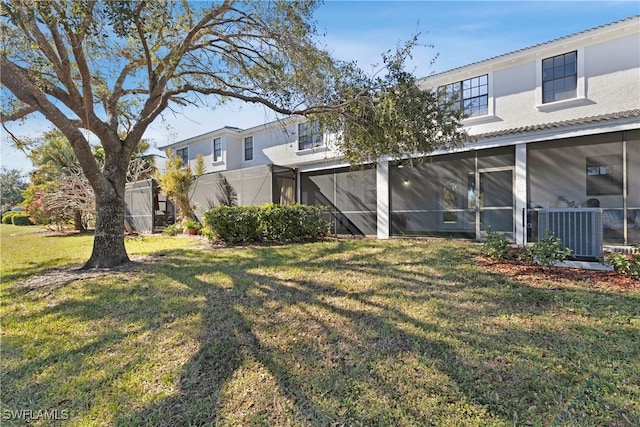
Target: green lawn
{"type": "Point", "coordinates": [348, 332]}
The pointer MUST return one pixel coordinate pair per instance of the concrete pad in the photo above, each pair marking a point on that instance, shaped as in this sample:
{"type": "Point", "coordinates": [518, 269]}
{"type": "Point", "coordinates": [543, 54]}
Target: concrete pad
{"type": "Point", "coordinates": [585, 265]}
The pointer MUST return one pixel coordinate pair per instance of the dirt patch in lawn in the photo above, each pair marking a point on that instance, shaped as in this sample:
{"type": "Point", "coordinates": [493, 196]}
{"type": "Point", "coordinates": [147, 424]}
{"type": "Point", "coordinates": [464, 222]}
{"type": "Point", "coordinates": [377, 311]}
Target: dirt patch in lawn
{"type": "Point", "coordinates": [60, 276]}
{"type": "Point", "coordinates": [536, 274]}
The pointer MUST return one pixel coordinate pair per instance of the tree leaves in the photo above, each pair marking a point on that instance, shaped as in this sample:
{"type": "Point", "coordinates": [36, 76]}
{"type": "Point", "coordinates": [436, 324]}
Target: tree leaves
{"type": "Point", "coordinates": [391, 116]}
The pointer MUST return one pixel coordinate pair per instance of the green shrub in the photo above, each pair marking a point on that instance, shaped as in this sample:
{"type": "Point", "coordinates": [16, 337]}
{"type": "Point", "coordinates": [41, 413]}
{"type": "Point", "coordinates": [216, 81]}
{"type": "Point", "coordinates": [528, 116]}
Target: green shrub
{"type": "Point", "coordinates": [624, 264]}
{"type": "Point", "coordinates": [315, 225]}
{"type": "Point", "coordinates": [496, 245]}
{"type": "Point", "coordinates": [232, 224]}
{"type": "Point", "coordinates": [21, 218]}
{"type": "Point", "coordinates": [172, 230]}
{"type": "Point", "coordinates": [8, 216]}
{"type": "Point", "coordinates": [287, 223]}
{"type": "Point", "coordinates": [547, 251]}
{"type": "Point", "coordinates": [279, 222]}
{"type": "Point", "coordinates": [191, 225]}
{"type": "Point", "coordinates": [270, 222]}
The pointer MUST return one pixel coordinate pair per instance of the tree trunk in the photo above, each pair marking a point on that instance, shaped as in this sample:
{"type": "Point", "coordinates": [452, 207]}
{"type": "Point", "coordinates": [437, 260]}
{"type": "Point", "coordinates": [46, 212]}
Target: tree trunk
{"type": "Point", "coordinates": [77, 221]}
{"type": "Point", "coordinates": [108, 242]}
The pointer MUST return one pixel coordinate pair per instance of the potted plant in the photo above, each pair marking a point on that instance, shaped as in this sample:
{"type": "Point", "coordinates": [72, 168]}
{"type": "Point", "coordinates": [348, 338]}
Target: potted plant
{"type": "Point", "coordinates": [192, 226]}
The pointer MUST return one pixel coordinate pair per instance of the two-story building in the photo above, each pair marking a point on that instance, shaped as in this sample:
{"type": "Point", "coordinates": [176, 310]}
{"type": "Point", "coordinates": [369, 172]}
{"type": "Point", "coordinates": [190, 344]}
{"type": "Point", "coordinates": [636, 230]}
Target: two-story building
{"type": "Point", "coordinates": [555, 125]}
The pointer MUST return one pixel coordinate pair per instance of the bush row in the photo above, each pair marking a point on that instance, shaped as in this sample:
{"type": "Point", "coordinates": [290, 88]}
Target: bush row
{"type": "Point", "coordinates": [16, 218]}
{"type": "Point", "coordinates": [270, 222]}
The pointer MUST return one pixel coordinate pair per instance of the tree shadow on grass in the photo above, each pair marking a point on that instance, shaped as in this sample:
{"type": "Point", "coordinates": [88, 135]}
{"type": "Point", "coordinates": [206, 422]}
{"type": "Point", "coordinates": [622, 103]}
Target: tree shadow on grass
{"type": "Point", "coordinates": [337, 356]}
{"type": "Point", "coordinates": [358, 334]}
{"type": "Point", "coordinates": [34, 269]}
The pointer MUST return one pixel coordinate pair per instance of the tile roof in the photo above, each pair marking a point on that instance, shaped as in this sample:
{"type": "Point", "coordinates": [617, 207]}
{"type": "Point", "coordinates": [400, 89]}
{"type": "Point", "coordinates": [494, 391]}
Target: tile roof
{"type": "Point", "coordinates": [631, 18]}
{"type": "Point", "coordinates": [561, 124]}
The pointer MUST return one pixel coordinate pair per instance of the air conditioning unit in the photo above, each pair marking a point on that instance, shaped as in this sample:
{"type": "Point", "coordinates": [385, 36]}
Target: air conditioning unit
{"type": "Point", "coordinates": [579, 229]}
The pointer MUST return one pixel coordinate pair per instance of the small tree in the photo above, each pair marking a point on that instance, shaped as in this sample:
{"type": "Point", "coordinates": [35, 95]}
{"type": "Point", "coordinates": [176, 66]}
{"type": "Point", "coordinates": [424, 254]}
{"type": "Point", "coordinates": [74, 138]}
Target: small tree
{"type": "Point", "coordinates": [73, 195]}
{"type": "Point", "coordinates": [66, 191]}
{"type": "Point", "coordinates": [176, 182]}
{"type": "Point", "coordinates": [11, 186]}
{"type": "Point", "coordinates": [36, 204]}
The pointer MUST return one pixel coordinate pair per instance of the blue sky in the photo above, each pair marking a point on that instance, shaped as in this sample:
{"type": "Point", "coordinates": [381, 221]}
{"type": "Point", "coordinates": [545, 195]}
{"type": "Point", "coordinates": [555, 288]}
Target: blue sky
{"type": "Point", "coordinates": [462, 32]}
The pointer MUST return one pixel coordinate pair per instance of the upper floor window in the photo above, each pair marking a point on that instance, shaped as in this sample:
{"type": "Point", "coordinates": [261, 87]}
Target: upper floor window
{"type": "Point", "coordinates": [217, 149]}
{"type": "Point", "coordinates": [248, 148]}
{"type": "Point", "coordinates": [471, 95]}
{"type": "Point", "coordinates": [309, 135]}
{"type": "Point", "coordinates": [559, 77]}
{"type": "Point", "coordinates": [183, 153]}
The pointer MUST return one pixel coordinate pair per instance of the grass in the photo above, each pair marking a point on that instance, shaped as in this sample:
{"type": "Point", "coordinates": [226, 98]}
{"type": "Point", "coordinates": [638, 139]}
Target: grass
{"type": "Point", "coordinates": [357, 332]}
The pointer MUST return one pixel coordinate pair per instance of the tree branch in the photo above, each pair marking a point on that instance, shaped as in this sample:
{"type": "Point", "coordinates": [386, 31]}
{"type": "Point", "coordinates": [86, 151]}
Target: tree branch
{"type": "Point", "coordinates": [143, 41]}
{"type": "Point", "coordinates": [17, 115]}
{"type": "Point", "coordinates": [59, 58]}
{"type": "Point", "coordinates": [256, 100]}
{"type": "Point", "coordinates": [26, 91]}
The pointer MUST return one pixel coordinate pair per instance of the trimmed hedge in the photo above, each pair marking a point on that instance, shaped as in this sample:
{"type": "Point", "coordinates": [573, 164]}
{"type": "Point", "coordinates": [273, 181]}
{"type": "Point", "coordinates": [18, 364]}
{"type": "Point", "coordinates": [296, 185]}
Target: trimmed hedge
{"type": "Point", "coordinates": [232, 224]}
{"type": "Point", "coordinates": [21, 218]}
{"type": "Point", "coordinates": [270, 222]}
{"type": "Point", "coordinates": [286, 223]}
{"type": "Point", "coordinates": [8, 216]}
{"type": "Point", "coordinates": [16, 218]}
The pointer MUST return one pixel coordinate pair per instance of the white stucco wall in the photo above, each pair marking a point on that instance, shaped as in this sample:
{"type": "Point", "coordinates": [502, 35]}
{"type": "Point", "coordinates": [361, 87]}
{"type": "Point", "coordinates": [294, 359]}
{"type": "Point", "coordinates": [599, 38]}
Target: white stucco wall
{"type": "Point", "coordinates": [232, 148]}
{"type": "Point", "coordinates": [203, 145]}
{"type": "Point", "coordinates": [278, 144]}
{"type": "Point", "coordinates": [613, 70]}
{"type": "Point", "coordinates": [204, 148]}
{"type": "Point", "coordinates": [608, 80]}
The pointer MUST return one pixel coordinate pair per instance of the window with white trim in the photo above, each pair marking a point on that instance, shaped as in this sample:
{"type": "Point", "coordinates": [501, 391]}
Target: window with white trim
{"type": "Point", "coordinates": [183, 153]}
{"type": "Point", "coordinates": [217, 149]}
{"type": "Point", "coordinates": [248, 148]}
{"type": "Point", "coordinates": [471, 95]}
{"type": "Point", "coordinates": [560, 77]}
{"type": "Point", "coordinates": [309, 135]}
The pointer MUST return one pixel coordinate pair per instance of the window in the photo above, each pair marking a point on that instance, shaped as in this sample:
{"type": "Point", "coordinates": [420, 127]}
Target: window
{"type": "Point", "coordinates": [183, 153]}
{"type": "Point", "coordinates": [559, 77]}
{"type": "Point", "coordinates": [471, 95]}
{"type": "Point", "coordinates": [309, 135]}
{"type": "Point", "coordinates": [604, 175]}
{"type": "Point", "coordinates": [217, 149]}
{"type": "Point", "coordinates": [248, 148]}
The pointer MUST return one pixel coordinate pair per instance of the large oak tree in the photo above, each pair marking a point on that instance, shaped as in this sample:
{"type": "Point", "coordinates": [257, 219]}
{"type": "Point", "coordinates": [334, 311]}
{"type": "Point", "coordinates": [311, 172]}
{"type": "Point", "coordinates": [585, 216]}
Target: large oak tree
{"type": "Point", "coordinates": [111, 68]}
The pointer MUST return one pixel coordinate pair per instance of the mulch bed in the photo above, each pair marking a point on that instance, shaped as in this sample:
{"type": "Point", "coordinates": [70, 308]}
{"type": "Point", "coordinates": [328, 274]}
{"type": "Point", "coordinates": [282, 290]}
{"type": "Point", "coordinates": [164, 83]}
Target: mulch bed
{"type": "Point", "coordinates": [536, 274]}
